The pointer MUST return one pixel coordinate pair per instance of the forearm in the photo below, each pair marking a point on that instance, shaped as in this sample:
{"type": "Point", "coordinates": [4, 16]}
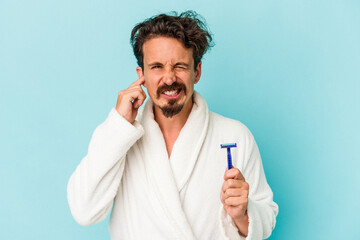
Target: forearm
{"type": "Point", "coordinates": [243, 225]}
{"type": "Point", "coordinates": [90, 195]}
{"type": "Point", "coordinates": [93, 185]}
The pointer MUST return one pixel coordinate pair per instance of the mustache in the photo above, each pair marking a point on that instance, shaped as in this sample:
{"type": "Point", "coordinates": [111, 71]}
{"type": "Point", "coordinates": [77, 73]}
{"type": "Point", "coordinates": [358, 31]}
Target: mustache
{"type": "Point", "coordinates": [174, 86]}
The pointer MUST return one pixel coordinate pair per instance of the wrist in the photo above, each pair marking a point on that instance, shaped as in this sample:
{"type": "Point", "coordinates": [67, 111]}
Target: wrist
{"type": "Point", "coordinates": [242, 224]}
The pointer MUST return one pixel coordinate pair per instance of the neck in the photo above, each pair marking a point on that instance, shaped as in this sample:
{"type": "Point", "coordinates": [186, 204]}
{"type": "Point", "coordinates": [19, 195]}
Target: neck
{"type": "Point", "coordinates": [171, 127]}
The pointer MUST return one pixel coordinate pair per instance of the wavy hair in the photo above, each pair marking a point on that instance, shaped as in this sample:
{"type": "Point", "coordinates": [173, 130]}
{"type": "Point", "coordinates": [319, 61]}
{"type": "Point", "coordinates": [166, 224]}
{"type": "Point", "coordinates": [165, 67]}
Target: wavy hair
{"type": "Point", "coordinates": [188, 28]}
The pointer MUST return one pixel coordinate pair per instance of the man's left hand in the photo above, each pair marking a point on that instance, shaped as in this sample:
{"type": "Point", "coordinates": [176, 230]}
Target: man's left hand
{"type": "Point", "coordinates": [234, 196]}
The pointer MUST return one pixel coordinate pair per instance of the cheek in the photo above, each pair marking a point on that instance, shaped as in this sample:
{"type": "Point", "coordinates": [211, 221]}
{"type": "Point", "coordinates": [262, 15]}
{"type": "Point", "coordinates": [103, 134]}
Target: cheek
{"type": "Point", "coordinates": [148, 81]}
{"type": "Point", "coordinates": [151, 88]}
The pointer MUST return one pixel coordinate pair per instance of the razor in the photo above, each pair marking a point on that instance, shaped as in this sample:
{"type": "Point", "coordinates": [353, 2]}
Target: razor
{"type": "Point", "coordinates": [228, 146]}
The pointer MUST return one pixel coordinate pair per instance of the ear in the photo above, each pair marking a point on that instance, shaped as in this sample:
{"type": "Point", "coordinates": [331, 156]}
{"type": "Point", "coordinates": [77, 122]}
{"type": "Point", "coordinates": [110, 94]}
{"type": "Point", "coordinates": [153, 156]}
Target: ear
{"type": "Point", "coordinates": [140, 73]}
{"type": "Point", "coordinates": [197, 73]}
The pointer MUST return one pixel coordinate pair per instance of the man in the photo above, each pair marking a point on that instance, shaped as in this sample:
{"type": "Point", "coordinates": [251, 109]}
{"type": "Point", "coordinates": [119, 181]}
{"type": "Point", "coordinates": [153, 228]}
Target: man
{"type": "Point", "coordinates": [162, 167]}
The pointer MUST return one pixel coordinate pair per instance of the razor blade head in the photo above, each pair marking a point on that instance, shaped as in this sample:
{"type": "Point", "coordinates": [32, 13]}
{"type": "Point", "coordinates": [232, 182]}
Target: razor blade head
{"type": "Point", "coordinates": [228, 145]}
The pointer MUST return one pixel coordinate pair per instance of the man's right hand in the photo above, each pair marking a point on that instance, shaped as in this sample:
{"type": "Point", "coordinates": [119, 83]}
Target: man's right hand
{"type": "Point", "coordinates": [130, 99]}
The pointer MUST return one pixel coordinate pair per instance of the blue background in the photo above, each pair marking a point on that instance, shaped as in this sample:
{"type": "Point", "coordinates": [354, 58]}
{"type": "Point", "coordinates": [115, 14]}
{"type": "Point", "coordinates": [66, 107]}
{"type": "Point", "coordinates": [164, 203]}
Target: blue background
{"type": "Point", "coordinates": [289, 70]}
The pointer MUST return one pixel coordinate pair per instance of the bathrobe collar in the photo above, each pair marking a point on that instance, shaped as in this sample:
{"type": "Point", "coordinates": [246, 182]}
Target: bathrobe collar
{"type": "Point", "coordinates": [169, 175]}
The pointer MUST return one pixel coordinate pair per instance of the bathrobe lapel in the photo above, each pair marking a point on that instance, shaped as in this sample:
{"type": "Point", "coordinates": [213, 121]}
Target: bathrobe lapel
{"type": "Point", "coordinates": [189, 142]}
{"type": "Point", "coordinates": [167, 176]}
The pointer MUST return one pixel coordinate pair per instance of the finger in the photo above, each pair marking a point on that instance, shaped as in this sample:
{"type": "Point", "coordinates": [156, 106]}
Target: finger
{"type": "Point", "coordinates": [234, 183]}
{"type": "Point", "coordinates": [138, 102]}
{"type": "Point", "coordinates": [235, 192]}
{"type": "Point", "coordinates": [236, 201]}
{"type": "Point", "coordinates": [137, 88]}
{"type": "Point", "coordinates": [132, 95]}
{"type": "Point", "coordinates": [233, 173]}
{"type": "Point", "coordinates": [222, 198]}
{"type": "Point", "coordinates": [138, 82]}
{"type": "Point", "coordinates": [133, 92]}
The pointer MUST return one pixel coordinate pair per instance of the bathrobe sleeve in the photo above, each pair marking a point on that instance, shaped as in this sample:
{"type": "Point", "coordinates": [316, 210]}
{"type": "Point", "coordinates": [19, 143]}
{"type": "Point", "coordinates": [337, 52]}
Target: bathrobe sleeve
{"type": "Point", "coordinates": [94, 184]}
{"type": "Point", "coordinates": [261, 209]}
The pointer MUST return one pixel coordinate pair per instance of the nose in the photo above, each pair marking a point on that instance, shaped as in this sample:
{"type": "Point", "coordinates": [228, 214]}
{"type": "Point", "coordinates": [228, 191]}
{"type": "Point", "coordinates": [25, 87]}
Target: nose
{"type": "Point", "coordinates": [169, 76]}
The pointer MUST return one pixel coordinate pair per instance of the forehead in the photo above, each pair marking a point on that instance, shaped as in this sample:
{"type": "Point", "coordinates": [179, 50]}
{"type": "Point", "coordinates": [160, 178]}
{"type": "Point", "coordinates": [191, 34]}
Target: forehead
{"type": "Point", "coordinates": [166, 49]}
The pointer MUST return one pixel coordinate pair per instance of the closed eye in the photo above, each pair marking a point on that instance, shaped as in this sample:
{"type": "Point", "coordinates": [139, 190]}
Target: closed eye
{"type": "Point", "coordinates": [181, 67]}
{"type": "Point", "coordinates": [156, 66]}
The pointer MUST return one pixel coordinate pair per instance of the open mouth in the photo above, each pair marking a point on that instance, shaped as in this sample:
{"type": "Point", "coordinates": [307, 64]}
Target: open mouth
{"type": "Point", "coordinates": [172, 94]}
{"type": "Point", "coordinates": [173, 91]}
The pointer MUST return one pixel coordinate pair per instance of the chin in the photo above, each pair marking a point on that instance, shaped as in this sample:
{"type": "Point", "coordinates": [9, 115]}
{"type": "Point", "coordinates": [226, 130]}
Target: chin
{"type": "Point", "coordinates": [170, 111]}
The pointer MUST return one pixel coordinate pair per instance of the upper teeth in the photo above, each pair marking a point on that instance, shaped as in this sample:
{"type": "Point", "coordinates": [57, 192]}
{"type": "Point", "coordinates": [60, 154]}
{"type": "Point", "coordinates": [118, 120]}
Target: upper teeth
{"type": "Point", "coordinates": [170, 93]}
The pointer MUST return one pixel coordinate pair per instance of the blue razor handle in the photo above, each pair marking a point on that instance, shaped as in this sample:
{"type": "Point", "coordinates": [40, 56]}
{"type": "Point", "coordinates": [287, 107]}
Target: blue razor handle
{"type": "Point", "coordinates": [229, 159]}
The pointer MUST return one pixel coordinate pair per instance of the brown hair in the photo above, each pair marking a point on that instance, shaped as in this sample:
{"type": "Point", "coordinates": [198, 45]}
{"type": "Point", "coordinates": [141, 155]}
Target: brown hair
{"type": "Point", "coordinates": [187, 27]}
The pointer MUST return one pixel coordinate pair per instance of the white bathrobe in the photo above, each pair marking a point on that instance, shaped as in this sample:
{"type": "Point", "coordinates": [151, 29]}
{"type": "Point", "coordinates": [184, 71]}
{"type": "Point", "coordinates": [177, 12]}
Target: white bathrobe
{"type": "Point", "coordinates": [157, 197]}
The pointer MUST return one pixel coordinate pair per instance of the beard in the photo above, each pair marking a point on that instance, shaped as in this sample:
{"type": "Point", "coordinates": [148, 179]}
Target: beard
{"type": "Point", "coordinates": [170, 111]}
{"type": "Point", "coordinates": [172, 107]}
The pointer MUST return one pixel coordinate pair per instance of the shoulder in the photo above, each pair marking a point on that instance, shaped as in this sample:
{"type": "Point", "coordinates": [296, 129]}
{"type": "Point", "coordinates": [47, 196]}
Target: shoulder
{"type": "Point", "coordinates": [226, 123]}
{"type": "Point", "coordinates": [230, 128]}
{"type": "Point", "coordinates": [227, 130]}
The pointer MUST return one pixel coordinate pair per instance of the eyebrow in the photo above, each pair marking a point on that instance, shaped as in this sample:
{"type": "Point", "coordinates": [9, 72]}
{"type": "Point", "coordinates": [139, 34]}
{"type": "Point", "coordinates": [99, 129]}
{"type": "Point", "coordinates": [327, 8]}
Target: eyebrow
{"type": "Point", "coordinates": [182, 64]}
{"type": "Point", "coordinates": [176, 64]}
{"type": "Point", "coordinates": [155, 64]}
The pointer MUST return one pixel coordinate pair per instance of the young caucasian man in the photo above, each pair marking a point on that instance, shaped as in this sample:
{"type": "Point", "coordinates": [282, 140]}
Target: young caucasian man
{"type": "Point", "coordinates": [161, 167]}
